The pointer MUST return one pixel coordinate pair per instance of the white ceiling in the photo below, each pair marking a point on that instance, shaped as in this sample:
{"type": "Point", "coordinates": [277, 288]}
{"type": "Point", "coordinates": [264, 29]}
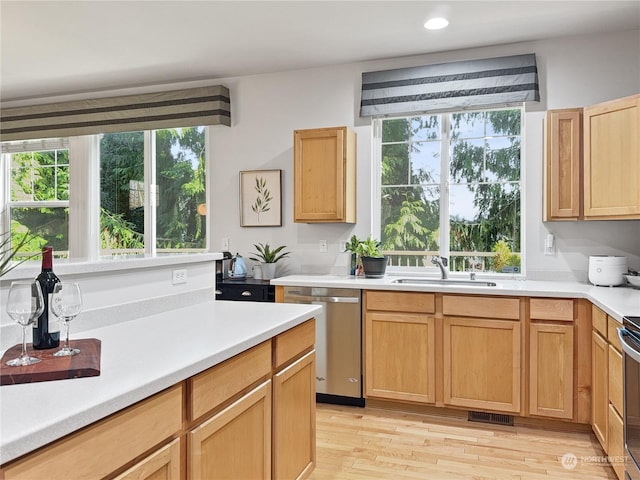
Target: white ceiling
{"type": "Point", "coordinates": [62, 47]}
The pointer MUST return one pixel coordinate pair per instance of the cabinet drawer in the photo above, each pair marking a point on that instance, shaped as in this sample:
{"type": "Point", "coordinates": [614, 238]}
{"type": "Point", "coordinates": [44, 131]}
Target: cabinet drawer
{"type": "Point", "coordinates": [416, 302]}
{"type": "Point", "coordinates": [255, 293]}
{"type": "Point", "coordinates": [214, 386]}
{"type": "Point", "coordinates": [290, 344]}
{"type": "Point", "coordinates": [107, 445]}
{"type": "Point", "coordinates": [486, 307]}
{"type": "Point", "coordinates": [551, 309]}
{"type": "Point", "coordinates": [599, 320]}
{"type": "Point", "coordinates": [612, 333]}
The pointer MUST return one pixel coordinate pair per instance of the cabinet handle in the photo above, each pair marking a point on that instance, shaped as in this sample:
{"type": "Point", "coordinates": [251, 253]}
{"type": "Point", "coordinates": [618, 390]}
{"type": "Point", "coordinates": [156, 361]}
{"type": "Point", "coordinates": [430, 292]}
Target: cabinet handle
{"type": "Point", "coordinates": [218, 292]}
{"type": "Point", "coordinates": [246, 293]}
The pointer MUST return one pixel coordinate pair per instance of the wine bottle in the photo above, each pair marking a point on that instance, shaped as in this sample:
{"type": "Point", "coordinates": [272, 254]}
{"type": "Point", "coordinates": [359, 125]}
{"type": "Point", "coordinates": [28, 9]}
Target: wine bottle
{"type": "Point", "coordinates": [46, 330]}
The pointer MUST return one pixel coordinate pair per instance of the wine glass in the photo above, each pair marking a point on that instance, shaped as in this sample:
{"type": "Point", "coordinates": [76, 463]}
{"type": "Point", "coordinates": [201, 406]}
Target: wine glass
{"type": "Point", "coordinates": [66, 302]}
{"type": "Point", "coordinates": [24, 305]}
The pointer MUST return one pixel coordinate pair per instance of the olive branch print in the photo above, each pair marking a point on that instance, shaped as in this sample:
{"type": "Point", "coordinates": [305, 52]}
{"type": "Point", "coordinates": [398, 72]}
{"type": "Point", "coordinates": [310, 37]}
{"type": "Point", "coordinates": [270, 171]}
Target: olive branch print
{"type": "Point", "coordinates": [263, 199]}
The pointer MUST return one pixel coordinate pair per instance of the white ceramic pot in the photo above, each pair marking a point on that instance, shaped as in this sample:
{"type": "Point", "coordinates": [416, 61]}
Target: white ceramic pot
{"type": "Point", "coordinates": [268, 271]}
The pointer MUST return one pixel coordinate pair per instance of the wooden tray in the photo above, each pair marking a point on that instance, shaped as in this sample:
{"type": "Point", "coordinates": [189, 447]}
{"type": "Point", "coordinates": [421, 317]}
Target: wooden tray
{"type": "Point", "coordinates": [85, 364]}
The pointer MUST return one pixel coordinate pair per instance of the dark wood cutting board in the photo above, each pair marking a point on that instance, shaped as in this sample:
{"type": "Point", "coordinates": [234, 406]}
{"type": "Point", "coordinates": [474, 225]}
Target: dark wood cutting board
{"type": "Point", "coordinates": [85, 364]}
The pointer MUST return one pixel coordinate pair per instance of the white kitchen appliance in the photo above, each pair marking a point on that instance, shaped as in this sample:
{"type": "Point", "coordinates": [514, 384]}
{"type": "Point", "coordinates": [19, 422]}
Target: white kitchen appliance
{"type": "Point", "coordinates": [607, 270]}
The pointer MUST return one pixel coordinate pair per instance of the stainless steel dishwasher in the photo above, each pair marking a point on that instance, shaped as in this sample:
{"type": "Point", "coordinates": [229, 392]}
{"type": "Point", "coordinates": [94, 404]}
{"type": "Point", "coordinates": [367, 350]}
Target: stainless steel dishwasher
{"type": "Point", "coordinates": [338, 342]}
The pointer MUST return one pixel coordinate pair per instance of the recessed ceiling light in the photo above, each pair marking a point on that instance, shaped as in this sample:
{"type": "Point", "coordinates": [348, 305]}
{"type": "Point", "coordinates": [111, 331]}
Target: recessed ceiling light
{"type": "Point", "coordinates": [436, 23]}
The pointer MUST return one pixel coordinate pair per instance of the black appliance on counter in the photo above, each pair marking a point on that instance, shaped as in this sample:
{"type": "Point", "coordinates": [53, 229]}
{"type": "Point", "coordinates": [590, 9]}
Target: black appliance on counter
{"type": "Point", "coordinates": [246, 289]}
{"type": "Point", "coordinates": [629, 336]}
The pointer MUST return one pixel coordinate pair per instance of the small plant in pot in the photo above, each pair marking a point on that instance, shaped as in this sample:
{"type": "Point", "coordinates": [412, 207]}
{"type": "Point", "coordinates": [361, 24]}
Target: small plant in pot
{"type": "Point", "coordinates": [374, 262]}
{"type": "Point", "coordinates": [268, 257]}
{"type": "Point", "coordinates": [352, 246]}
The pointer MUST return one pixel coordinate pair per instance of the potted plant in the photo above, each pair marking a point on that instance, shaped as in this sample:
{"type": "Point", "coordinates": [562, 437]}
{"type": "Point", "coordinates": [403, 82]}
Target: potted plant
{"type": "Point", "coordinates": [352, 246]}
{"type": "Point", "coordinates": [374, 262]}
{"type": "Point", "coordinates": [268, 258]}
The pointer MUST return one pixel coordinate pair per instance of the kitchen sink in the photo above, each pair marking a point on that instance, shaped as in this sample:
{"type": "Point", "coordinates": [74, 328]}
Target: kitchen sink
{"type": "Point", "coordinates": [447, 281]}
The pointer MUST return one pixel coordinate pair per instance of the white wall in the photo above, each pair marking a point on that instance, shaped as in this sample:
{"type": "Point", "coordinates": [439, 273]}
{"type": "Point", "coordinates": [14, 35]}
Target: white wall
{"type": "Point", "coordinates": [574, 71]}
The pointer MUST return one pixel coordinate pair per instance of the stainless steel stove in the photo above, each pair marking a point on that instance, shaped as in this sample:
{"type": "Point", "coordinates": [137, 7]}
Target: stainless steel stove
{"type": "Point", "coordinates": [630, 341]}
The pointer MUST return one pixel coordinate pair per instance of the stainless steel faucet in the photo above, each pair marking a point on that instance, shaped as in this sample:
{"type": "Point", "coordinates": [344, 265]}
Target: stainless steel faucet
{"type": "Point", "coordinates": [442, 263]}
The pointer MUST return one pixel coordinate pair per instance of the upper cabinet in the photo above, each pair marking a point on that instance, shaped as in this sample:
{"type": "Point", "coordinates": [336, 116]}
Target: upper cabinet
{"type": "Point", "coordinates": [612, 159]}
{"type": "Point", "coordinates": [563, 161]}
{"type": "Point", "coordinates": [324, 185]}
{"type": "Point", "coordinates": [592, 162]}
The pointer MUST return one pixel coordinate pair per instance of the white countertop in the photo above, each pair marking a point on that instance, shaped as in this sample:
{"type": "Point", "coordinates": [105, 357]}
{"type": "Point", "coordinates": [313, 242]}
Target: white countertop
{"type": "Point", "coordinates": [615, 301]}
{"type": "Point", "coordinates": [139, 358]}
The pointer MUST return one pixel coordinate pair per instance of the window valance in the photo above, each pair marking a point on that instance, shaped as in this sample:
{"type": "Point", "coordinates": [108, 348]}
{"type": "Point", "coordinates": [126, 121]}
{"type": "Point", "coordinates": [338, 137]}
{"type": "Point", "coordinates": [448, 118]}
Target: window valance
{"type": "Point", "coordinates": [450, 86]}
{"type": "Point", "coordinates": [171, 109]}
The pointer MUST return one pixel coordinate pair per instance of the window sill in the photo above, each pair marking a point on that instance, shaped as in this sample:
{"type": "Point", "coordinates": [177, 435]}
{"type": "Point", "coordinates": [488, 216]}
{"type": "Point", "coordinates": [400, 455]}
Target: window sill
{"type": "Point", "coordinates": [63, 267]}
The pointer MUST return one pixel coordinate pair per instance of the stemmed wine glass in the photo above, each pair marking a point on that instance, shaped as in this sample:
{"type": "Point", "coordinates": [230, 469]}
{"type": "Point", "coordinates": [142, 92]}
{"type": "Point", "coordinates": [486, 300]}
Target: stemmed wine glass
{"type": "Point", "coordinates": [24, 305]}
{"type": "Point", "coordinates": [66, 302]}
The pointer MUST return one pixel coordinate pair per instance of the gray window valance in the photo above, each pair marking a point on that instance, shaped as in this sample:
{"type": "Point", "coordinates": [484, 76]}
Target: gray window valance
{"type": "Point", "coordinates": [177, 108]}
{"type": "Point", "coordinates": [450, 86]}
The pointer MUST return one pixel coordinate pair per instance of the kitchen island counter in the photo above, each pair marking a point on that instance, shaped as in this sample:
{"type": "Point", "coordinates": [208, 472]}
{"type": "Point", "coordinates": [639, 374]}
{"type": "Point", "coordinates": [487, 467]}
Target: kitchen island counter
{"type": "Point", "coordinates": [615, 301]}
{"type": "Point", "coordinates": [139, 359]}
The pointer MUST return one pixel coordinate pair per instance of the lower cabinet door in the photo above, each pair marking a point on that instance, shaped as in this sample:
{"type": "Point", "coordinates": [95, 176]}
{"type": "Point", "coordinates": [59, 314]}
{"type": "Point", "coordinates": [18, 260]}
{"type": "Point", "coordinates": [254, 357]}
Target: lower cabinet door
{"type": "Point", "coordinates": [294, 419]}
{"type": "Point", "coordinates": [615, 452]}
{"type": "Point", "coordinates": [551, 370]}
{"type": "Point", "coordinates": [235, 443]}
{"type": "Point", "coordinates": [400, 356]}
{"type": "Point", "coordinates": [599, 387]}
{"type": "Point", "coordinates": [482, 364]}
{"type": "Point", "coordinates": [163, 464]}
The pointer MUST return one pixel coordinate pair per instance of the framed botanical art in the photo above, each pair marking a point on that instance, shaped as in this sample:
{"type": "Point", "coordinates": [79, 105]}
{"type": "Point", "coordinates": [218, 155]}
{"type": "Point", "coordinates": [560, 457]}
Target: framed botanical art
{"type": "Point", "coordinates": [260, 198]}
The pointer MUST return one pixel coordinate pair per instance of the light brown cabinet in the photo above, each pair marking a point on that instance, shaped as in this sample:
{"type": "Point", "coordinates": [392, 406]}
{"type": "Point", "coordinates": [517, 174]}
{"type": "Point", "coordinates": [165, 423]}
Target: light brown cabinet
{"type": "Point", "coordinates": [551, 357]}
{"type": "Point", "coordinates": [236, 442]}
{"type": "Point", "coordinates": [400, 358]}
{"type": "Point", "coordinates": [164, 464]}
{"type": "Point", "coordinates": [294, 419]}
{"type": "Point", "coordinates": [324, 170]}
{"type": "Point", "coordinates": [482, 363]}
{"type": "Point", "coordinates": [592, 162]}
{"type": "Point", "coordinates": [599, 385]}
{"type": "Point", "coordinates": [612, 159]}
{"type": "Point", "coordinates": [482, 352]}
{"type": "Point", "coordinates": [563, 163]}
{"type": "Point", "coordinates": [399, 329]}
{"type": "Point", "coordinates": [607, 381]}
{"type": "Point", "coordinates": [551, 370]}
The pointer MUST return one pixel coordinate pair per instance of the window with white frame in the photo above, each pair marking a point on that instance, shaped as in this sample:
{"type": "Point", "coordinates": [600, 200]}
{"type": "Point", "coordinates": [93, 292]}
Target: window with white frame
{"type": "Point", "coordinates": [450, 186]}
{"type": "Point", "coordinates": [151, 200]}
{"type": "Point", "coordinates": [37, 196]}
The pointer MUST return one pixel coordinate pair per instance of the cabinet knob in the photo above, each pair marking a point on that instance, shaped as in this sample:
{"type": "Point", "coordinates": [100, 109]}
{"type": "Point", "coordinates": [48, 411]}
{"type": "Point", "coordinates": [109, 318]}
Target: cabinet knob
{"type": "Point", "coordinates": [218, 292]}
{"type": "Point", "coordinates": [246, 293]}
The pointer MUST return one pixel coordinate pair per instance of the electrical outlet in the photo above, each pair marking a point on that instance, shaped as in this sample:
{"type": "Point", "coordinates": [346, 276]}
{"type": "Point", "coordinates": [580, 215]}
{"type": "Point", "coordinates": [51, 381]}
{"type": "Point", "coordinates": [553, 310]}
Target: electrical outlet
{"type": "Point", "coordinates": [550, 245]}
{"type": "Point", "coordinates": [179, 276]}
{"type": "Point", "coordinates": [323, 246]}
{"type": "Point", "coordinates": [343, 245]}
{"type": "Point", "coordinates": [225, 244]}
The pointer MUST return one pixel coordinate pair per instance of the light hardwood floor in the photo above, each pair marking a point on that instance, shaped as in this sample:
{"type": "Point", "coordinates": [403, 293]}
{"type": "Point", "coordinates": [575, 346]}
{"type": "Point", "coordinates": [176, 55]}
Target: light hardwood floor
{"type": "Point", "coordinates": [366, 443]}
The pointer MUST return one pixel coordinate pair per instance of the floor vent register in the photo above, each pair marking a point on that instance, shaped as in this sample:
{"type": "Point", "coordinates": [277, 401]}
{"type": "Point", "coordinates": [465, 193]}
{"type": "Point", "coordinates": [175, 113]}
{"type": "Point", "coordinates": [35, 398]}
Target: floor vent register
{"type": "Point", "coordinates": [495, 418]}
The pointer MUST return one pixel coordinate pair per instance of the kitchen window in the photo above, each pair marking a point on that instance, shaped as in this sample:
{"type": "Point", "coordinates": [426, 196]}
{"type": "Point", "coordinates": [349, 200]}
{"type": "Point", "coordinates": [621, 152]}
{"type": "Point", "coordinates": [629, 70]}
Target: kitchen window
{"type": "Point", "coordinates": [150, 193]}
{"type": "Point", "coordinates": [37, 191]}
{"type": "Point", "coordinates": [450, 185]}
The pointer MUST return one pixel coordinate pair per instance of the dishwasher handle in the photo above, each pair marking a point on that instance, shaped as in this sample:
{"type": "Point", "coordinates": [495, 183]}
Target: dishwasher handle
{"type": "Point", "coordinates": [327, 299]}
